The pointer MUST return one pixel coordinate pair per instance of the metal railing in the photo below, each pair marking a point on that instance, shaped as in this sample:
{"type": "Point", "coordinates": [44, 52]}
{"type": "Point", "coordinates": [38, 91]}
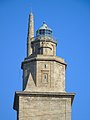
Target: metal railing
{"type": "Point", "coordinates": [44, 37]}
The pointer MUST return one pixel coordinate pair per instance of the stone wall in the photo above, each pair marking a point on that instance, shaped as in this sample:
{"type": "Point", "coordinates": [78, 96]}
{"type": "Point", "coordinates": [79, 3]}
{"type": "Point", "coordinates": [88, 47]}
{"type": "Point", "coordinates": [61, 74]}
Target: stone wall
{"type": "Point", "coordinates": [44, 47]}
{"type": "Point", "coordinates": [44, 108]}
{"type": "Point", "coordinates": [29, 75]}
{"type": "Point", "coordinates": [44, 75]}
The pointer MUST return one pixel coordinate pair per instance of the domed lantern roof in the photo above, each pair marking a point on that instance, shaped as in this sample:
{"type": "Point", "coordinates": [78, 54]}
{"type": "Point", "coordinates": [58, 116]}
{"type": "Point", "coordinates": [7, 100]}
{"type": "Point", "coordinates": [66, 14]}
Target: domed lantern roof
{"type": "Point", "coordinates": [44, 30]}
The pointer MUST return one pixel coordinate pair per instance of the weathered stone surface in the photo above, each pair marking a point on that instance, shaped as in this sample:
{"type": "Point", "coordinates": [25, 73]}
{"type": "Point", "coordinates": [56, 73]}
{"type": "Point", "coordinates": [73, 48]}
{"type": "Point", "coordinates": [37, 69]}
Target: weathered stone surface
{"type": "Point", "coordinates": [44, 75]}
{"type": "Point", "coordinates": [30, 34]}
{"type": "Point", "coordinates": [44, 45]}
{"type": "Point", "coordinates": [41, 106]}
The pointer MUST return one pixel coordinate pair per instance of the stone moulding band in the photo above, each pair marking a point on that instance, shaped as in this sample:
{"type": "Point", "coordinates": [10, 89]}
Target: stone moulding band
{"type": "Point", "coordinates": [43, 94]}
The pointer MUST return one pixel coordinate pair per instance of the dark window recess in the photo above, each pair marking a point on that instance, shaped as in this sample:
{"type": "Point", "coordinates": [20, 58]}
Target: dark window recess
{"type": "Point", "coordinates": [45, 77]}
{"type": "Point", "coordinates": [45, 65]}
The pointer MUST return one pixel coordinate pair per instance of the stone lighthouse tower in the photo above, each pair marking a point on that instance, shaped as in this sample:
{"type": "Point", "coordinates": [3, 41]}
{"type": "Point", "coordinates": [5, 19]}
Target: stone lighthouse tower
{"type": "Point", "coordinates": [43, 96]}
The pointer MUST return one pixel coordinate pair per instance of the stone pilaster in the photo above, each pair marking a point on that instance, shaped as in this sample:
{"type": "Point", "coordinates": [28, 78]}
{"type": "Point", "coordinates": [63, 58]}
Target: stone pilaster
{"type": "Point", "coordinates": [30, 36]}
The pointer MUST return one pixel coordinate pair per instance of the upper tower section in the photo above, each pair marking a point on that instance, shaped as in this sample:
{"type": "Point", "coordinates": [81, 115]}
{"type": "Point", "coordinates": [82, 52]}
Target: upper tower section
{"type": "Point", "coordinates": [42, 69]}
{"type": "Point", "coordinates": [30, 34]}
{"type": "Point", "coordinates": [44, 30]}
{"type": "Point", "coordinates": [44, 43]}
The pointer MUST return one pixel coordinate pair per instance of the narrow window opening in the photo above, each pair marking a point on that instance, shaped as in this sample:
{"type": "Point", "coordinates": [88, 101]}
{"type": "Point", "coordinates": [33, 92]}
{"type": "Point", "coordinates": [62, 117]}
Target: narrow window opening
{"type": "Point", "coordinates": [45, 77]}
{"type": "Point", "coordinates": [45, 65]}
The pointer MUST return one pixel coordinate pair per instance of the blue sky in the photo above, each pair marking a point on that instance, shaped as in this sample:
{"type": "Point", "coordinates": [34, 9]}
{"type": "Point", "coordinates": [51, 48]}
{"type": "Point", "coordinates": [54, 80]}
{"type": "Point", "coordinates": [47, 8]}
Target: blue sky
{"type": "Point", "coordinates": [70, 21]}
